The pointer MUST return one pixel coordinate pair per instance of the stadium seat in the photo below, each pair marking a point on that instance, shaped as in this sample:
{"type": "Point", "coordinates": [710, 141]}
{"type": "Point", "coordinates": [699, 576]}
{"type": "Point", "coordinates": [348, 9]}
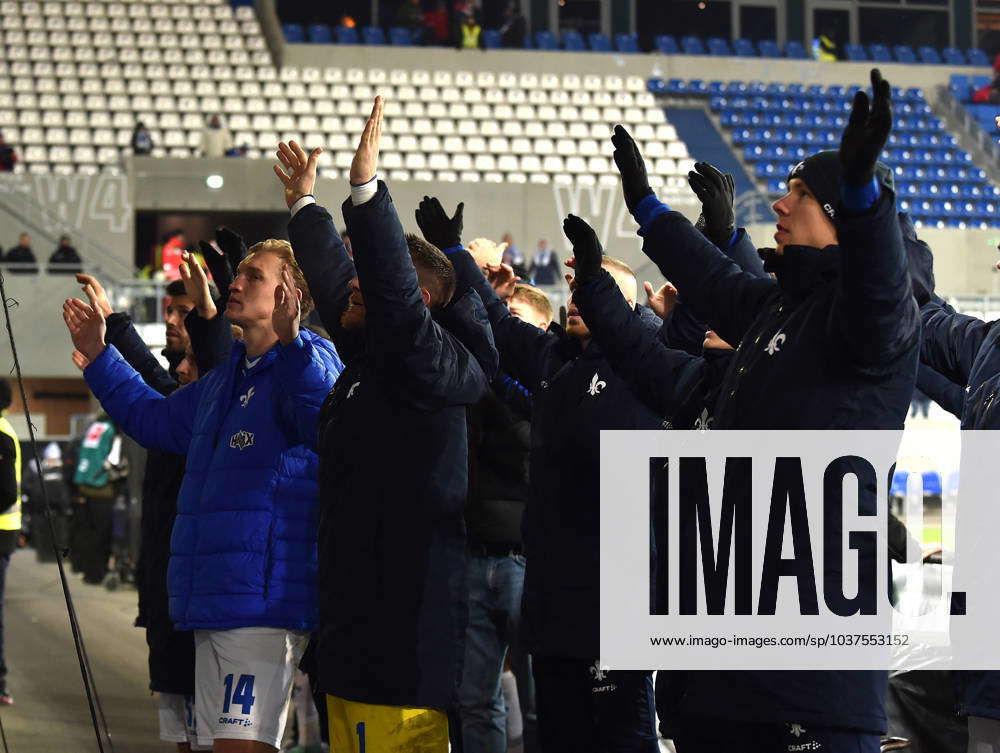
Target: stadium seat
{"type": "Point", "coordinates": [744, 48]}
{"type": "Point", "coordinates": [795, 50]}
{"type": "Point", "coordinates": [492, 39]}
{"type": "Point", "coordinates": [953, 56]}
{"type": "Point", "coordinates": [370, 35]}
{"type": "Point", "coordinates": [599, 42]}
{"type": "Point", "coordinates": [720, 47]}
{"type": "Point", "coordinates": [666, 44]}
{"type": "Point", "coordinates": [929, 55]}
{"type": "Point", "coordinates": [768, 48]}
{"type": "Point", "coordinates": [626, 43]}
{"type": "Point", "coordinates": [880, 53]}
{"type": "Point", "coordinates": [546, 40]}
{"type": "Point", "coordinates": [347, 35]}
{"type": "Point", "coordinates": [904, 54]}
{"type": "Point", "coordinates": [692, 46]}
{"type": "Point", "coordinates": [855, 52]}
{"type": "Point", "coordinates": [294, 33]}
{"type": "Point", "coordinates": [975, 56]}
{"type": "Point", "coordinates": [400, 36]}
{"type": "Point", "coordinates": [573, 41]}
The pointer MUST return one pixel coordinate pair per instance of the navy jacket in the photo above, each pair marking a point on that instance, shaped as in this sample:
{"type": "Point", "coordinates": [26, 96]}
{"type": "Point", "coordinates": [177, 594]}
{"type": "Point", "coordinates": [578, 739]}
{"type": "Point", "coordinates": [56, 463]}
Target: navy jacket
{"type": "Point", "coordinates": [831, 343]}
{"type": "Point", "coordinates": [393, 464]}
{"type": "Point", "coordinates": [575, 395]}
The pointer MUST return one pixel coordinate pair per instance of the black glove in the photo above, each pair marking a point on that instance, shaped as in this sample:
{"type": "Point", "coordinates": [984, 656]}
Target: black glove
{"type": "Point", "coordinates": [635, 184]}
{"type": "Point", "coordinates": [223, 266]}
{"type": "Point", "coordinates": [438, 228]}
{"type": "Point", "coordinates": [716, 192]}
{"type": "Point", "coordinates": [866, 132]}
{"type": "Point", "coordinates": [586, 248]}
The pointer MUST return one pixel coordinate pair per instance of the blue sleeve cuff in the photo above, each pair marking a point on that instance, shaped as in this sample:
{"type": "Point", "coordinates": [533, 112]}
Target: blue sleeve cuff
{"type": "Point", "coordinates": [452, 250]}
{"type": "Point", "coordinates": [860, 198]}
{"type": "Point", "coordinates": [733, 237]}
{"type": "Point", "coordinates": [648, 210]}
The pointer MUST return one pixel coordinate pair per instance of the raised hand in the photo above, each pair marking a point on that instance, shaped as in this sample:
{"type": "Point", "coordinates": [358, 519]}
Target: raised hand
{"type": "Point", "coordinates": [300, 179]}
{"type": "Point", "coordinates": [86, 327]}
{"type": "Point", "coordinates": [866, 132]}
{"type": "Point", "coordinates": [365, 163]}
{"type": "Point", "coordinates": [635, 184]}
{"type": "Point", "coordinates": [95, 292]}
{"type": "Point", "coordinates": [587, 251]}
{"type": "Point", "coordinates": [196, 285]}
{"type": "Point", "coordinates": [502, 278]}
{"type": "Point", "coordinates": [716, 191]}
{"type": "Point", "coordinates": [79, 360]}
{"type": "Point", "coordinates": [438, 228]}
{"type": "Point", "coordinates": [660, 301]}
{"type": "Point", "coordinates": [223, 265]}
{"type": "Point", "coordinates": [287, 308]}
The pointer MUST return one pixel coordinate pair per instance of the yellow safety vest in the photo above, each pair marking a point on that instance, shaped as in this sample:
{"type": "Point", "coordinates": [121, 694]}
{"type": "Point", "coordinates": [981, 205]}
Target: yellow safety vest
{"type": "Point", "coordinates": [11, 520]}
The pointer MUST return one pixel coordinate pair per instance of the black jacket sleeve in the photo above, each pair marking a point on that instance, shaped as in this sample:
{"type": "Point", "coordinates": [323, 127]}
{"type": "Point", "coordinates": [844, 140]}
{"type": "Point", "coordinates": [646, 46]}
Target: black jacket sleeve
{"type": "Point", "coordinates": [665, 379]}
{"type": "Point", "coordinates": [941, 390]}
{"type": "Point", "coordinates": [950, 341]}
{"type": "Point", "coordinates": [526, 352]}
{"type": "Point", "coordinates": [123, 336]}
{"type": "Point", "coordinates": [414, 351]}
{"type": "Point", "coordinates": [719, 291]}
{"type": "Point", "coordinates": [211, 340]}
{"type": "Point", "coordinates": [322, 256]}
{"type": "Point", "coordinates": [874, 310]}
{"type": "Point", "coordinates": [513, 394]}
{"type": "Point", "coordinates": [8, 474]}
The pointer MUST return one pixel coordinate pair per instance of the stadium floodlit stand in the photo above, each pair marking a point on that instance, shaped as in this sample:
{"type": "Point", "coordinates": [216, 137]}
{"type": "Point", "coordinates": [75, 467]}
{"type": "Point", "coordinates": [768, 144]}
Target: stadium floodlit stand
{"type": "Point", "coordinates": [773, 126]}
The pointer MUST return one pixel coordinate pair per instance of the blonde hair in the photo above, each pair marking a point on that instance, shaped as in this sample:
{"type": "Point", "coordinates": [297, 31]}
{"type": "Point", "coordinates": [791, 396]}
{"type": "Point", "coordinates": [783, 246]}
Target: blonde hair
{"type": "Point", "coordinates": [283, 250]}
{"type": "Point", "coordinates": [619, 270]}
{"type": "Point", "coordinates": [529, 295]}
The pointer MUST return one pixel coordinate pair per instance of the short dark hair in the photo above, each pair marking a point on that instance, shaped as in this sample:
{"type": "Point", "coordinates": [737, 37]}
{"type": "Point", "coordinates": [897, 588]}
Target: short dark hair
{"type": "Point", "coordinates": [5, 394]}
{"type": "Point", "coordinates": [176, 287]}
{"type": "Point", "coordinates": [434, 270]}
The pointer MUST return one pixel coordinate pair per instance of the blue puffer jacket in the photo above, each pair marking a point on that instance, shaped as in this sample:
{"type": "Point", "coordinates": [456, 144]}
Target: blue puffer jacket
{"type": "Point", "coordinates": [243, 549]}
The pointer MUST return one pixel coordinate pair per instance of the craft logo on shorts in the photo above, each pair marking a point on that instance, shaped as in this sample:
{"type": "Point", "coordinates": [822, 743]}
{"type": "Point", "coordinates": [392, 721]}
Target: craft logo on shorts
{"type": "Point", "coordinates": [241, 440]}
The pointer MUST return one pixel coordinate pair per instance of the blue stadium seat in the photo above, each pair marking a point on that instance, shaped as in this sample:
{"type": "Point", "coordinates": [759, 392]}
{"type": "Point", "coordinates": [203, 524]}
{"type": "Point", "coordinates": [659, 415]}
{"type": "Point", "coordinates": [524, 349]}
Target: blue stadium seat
{"type": "Point", "coordinates": [573, 41]}
{"type": "Point", "coordinates": [347, 35]}
{"type": "Point", "coordinates": [744, 48]}
{"type": "Point", "coordinates": [677, 86]}
{"type": "Point", "coordinates": [666, 44]}
{"type": "Point", "coordinates": [322, 34]}
{"type": "Point", "coordinates": [929, 55]}
{"type": "Point", "coordinates": [976, 56]}
{"type": "Point", "coordinates": [855, 52]}
{"type": "Point", "coordinates": [736, 87]}
{"type": "Point", "coordinates": [599, 42]}
{"type": "Point", "coordinates": [795, 50]}
{"type": "Point", "coordinates": [903, 53]}
{"type": "Point", "coordinates": [719, 46]}
{"type": "Point", "coordinates": [768, 48]}
{"type": "Point", "coordinates": [626, 43]}
{"type": "Point", "coordinates": [373, 35]}
{"type": "Point", "coordinates": [492, 39]}
{"type": "Point", "coordinates": [953, 56]}
{"type": "Point", "coordinates": [692, 46]}
{"type": "Point", "coordinates": [880, 53]}
{"type": "Point", "coordinates": [546, 40]}
{"type": "Point", "coordinates": [400, 36]}
{"type": "Point", "coordinates": [716, 88]}
{"type": "Point", "coordinates": [978, 82]}
{"type": "Point", "coordinates": [656, 86]}
{"type": "Point", "coordinates": [294, 32]}
{"type": "Point", "coordinates": [914, 94]}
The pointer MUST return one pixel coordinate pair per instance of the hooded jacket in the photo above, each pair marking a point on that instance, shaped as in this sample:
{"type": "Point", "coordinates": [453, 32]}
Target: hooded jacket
{"type": "Point", "coordinates": [393, 464]}
{"type": "Point", "coordinates": [243, 547]}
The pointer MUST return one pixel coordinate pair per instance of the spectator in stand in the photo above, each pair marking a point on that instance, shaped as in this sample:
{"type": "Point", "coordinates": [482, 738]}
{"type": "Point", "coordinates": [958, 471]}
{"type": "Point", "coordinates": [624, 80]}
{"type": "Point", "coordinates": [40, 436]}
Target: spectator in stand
{"type": "Point", "coordinates": [65, 260]}
{"type": "Point", "coordinates": [471, 33]}
{"type": "Point", "coordinates": [990, 94]}
{"type": "Point", "coordinates": [347, 21]}
{"type": "Point", "coordinates": [409, 15]}
{"type": "Point", "coordinates": [531, 305]}
{"type": "Point", "coordinates": [436, 24]}
{"type": "Point", "coordinates": [8, 157]}
{"type": "Point", "coordinates": [10, 513]}
{"type": "Point", "coordinates": [824, 47]}
{"type": "Point", "coordinates": [22, 254]}
{"type": "Point", "coordinates": [142, 142]}
{"type": "Point", "coordinates": [514, 27]}
{"type": "Point", "coordinates": [170, 254]}
{"type": "Point", "coordinates": [216, 140]}
{"type": "Point", "coordinates": [513, 257]}
{"type": "Point", "coordinates": [545, 266]}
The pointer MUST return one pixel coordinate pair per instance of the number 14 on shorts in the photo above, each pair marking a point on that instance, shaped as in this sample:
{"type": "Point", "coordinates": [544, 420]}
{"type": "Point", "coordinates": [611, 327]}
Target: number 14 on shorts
{"type": "Point", "coordinates": [241, 695]}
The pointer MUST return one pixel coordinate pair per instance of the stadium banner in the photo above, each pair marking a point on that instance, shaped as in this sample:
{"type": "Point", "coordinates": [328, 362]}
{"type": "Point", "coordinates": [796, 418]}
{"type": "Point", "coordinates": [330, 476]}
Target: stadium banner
{"type": "Point", "coordinates": [774, 550]}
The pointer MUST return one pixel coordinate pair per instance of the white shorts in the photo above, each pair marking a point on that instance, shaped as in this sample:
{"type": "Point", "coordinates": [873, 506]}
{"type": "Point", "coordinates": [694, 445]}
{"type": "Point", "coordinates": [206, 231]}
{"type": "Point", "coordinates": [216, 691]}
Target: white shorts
{"type": "Point", "coordinates": [178, 720]}
{"type": "Point", "coordinates": [243, 682]}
